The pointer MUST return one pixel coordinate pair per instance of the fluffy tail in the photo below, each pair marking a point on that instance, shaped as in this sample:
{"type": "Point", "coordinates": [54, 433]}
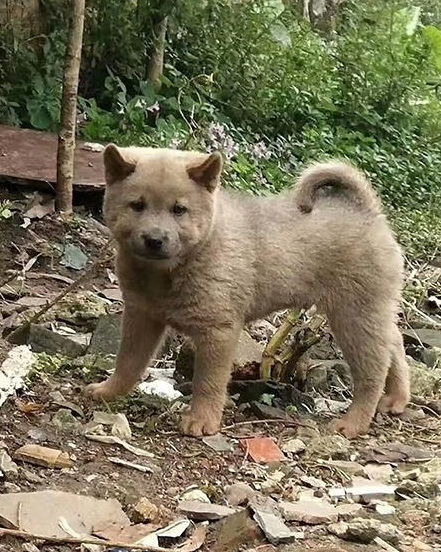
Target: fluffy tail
{"type": "Point", "coordinates": [341, 175]}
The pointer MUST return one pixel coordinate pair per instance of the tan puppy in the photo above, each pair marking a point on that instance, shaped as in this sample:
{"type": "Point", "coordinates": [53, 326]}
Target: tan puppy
{"type": "Point", "coordinates": [205, 262]}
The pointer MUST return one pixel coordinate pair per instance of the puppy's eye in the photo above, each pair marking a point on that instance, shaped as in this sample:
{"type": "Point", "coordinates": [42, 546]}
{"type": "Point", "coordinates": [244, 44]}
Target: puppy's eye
{"type": "Point", "coordinates": [138, 205]}
{"type": "Point", "coordinates": [179, 209]}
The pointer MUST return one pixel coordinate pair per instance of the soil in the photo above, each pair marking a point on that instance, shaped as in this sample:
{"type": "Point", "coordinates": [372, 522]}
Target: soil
{"type": "Point", "coordinates": [183, 461]}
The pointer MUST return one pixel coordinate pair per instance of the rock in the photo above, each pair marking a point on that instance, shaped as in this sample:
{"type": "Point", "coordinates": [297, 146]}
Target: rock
{"type": "Point", "coordinates": [432, 357]}
{"type": "Point", "coordinates": [11, 487]}
{"type": "Point", "coordinates": [365, 530]}
{"type": "Point", "coordinates": [416, 518]}
{"type": "Point", "coordinates": [237, 530]}
{"type": "Point", "coordinates": [346, 512]}
{"type": "Point", "coordinates": [36, 434]}
{"type": "Point", "coordinates": [106, 338]}
{"type": "Point", "coordinates": [268, 412]}
{"type": "Point", "coordinates": [424, 382]}
{"type": "Point", "coordinates": [295, 446]}
{"type": "Point", "coordinates": [194, 495]}
{"type": "Point", "coordinates": [29, 547]}
{"type": "Point", "coordinates": [64, 419]}
{"type": "Point", "coordinates": [248, 354]}
{"type": "Point", "coordinates": [40, 512]}
{"type": "Point", "coordinates": [329, 447]}
{"type": "Point", "coordinates": [144, 511]}
{"type": "Point", "coordinates": [81, 309]}
{"type": "Point", "coordinates": [43, 340]}
{"type": "Point", "coordinates": [313, 482]}
{"type": "Point", "coordinates": [261, 330]}
{"type": "Point", "coordinates": [239, 494]}
{"type": "Point", "coordinates": [328, 375]}
{"type": "Point", "coordinates": [200, 511]}
{"type": "Point", "coordinates": [268, 518]}
{"type": "Point", "coordinates": [384, 508]}
{"type": "Point", "coordinates": [7, 466]}
{"type": "Point", "coordinates": [219, 443]}
{"type": "Point", "coordinates": [312, 512]}
{"type": "Point", "coordinates": [427, 336]}
{"type": "Point", "coordinates": [378, 472]}
{"type": "Point", "coordinates": [347, 467]}
{"type": "Point", "coordinates": [426, 488]}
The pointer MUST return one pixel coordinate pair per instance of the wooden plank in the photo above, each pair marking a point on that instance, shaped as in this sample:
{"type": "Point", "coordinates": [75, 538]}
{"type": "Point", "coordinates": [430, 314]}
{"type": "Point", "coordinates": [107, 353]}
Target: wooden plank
{"type": "Point", "coordinates": [28, 157]}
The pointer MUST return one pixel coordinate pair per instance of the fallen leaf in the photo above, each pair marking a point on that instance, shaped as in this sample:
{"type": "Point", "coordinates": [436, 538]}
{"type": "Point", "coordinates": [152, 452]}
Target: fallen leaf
{"type": "Point", "coordinates": [113, 440]}
{"type": "Point", "coordinates": [29, 407]}
{"type": "Point", "coordinates": [40, 207]}
{"type": "Point", "coordinates": [73, 257]}
{"type": "Point", "coordinates": [122, 533]}
{"type": "Point", "coordinates": [112, 294]}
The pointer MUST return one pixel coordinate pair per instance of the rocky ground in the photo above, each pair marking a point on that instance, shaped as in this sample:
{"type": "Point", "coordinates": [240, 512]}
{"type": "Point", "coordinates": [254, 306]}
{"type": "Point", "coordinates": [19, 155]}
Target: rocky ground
{"type": "Point", "coordinates": [274, 479]}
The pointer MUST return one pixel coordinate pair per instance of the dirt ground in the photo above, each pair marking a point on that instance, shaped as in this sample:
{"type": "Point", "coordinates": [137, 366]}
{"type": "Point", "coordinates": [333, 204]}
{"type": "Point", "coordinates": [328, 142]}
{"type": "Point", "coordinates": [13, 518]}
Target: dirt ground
{"type": "Point", "coordinates": [31, 266]}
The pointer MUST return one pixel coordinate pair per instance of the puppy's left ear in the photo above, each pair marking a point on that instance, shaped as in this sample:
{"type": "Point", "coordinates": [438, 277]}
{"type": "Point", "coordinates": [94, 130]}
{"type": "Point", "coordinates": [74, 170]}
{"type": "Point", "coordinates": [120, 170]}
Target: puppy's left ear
{"type": "Point", "coordinates": [208, 172]}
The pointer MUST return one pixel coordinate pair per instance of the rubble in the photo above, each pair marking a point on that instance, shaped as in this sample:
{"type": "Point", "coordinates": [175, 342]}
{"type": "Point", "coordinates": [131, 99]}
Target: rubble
{"type": "Point", "coordinates": [366, 530]}
{"type": "Point", "coordinates": [262, 449]}
{"type": "Point", "coordinates": [268, 518]}
{"type": "Point", "coordinates": [201, 511]}
{"type": "Point", "coordinates": [239, 494]}
{"type": "Point", "coordinates": [311, 512]}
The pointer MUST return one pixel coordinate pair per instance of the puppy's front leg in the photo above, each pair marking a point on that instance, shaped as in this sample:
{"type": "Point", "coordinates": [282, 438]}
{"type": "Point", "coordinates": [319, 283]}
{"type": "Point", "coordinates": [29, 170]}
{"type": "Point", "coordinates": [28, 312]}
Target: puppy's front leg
{"type": "Point", "coordinates": [140, 339]}
{"type": "Point", "coordinates": [215, 351]}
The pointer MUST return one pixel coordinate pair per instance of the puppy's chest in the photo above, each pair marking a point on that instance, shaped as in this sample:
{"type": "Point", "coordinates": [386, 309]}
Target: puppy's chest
{"type": "Point", "coordinates": [180, 303]}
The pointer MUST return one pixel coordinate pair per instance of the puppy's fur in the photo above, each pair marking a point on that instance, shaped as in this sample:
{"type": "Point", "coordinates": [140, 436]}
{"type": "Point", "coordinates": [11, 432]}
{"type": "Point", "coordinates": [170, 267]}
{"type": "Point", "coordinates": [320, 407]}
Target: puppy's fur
{"type": "Point", "coordinates": [205, 262]}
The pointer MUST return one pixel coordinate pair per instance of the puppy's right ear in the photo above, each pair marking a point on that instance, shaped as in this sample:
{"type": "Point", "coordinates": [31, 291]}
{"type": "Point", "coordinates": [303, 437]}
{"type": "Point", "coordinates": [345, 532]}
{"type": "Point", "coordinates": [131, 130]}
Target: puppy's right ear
{"type": "Point", "coordinates": [116, 167]}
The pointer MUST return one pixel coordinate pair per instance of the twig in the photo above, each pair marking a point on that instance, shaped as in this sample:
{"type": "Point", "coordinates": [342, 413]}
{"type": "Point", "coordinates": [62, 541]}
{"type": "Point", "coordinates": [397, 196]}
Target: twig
{"type": "Point", "coordinates": [269, 421]}
{"type": "Point", "coordinates": [422, 314]}
{"type": "Point", "coordinates": [17, 334]}
{"type": "Point", "coordinates": [71, 540]}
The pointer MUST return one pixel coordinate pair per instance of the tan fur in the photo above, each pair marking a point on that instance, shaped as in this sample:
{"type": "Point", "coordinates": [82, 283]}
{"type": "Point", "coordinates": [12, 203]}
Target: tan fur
{"type": "Point", "coordinates": [231, 259]}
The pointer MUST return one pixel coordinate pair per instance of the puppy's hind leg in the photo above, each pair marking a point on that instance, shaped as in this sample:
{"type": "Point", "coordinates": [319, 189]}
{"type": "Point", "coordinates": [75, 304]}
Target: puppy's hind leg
{"type": "Point", "coordinates": [364, 336]}
{"type": "Point", "coordinates": [397, 392]}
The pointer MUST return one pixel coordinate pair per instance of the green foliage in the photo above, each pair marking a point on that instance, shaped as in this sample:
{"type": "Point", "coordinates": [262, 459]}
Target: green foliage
{"type": "Point", "coordinates": [257, 81]}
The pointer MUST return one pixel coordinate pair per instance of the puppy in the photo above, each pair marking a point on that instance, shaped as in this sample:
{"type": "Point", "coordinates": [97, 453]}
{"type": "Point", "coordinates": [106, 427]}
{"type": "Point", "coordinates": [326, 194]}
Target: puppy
{"type": "Point", "coordinates": [205, 261]}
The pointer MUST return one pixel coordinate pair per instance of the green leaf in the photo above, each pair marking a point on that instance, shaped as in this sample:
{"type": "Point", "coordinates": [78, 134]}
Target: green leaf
{"type": "Point", "coordinates": [281, 34]}
{"type": "Point", "coordinates": [433, 37]}
{"type": "Point", "coordinates": [39, 115]}
{"type": "Point", "coordinates": [414, 14]}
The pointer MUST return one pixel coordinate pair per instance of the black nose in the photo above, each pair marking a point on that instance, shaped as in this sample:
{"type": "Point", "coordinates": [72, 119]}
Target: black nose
{"type": "Point", "coordinates": [154, 244]}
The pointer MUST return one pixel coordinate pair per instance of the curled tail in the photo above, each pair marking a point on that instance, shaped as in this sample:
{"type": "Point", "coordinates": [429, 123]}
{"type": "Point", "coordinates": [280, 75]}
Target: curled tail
{"type": "Point", "coordinates": [338, 174]}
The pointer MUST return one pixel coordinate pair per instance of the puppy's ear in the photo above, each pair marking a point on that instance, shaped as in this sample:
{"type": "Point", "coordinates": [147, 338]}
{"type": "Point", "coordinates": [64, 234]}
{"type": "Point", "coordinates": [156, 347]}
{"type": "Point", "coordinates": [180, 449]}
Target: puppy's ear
{"type": "Point", "coordinates": [116, 167]}
{"type": "Point", "coordinates": [208, 172]}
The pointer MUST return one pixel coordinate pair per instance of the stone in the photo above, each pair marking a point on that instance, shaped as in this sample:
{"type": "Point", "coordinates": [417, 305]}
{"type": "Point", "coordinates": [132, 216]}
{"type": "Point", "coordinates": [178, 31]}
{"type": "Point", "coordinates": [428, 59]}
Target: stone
{"type": "Point", "coordinates": [106, 338]}
{"type": "Point", "coordinates": [423, 487]}
{"type": "Point", "coordinates": [261, 330]}
{"type": "Point", "coordinates": [201, 511]}
{"type": "Point", "coordinates": [81, 309]}
{"type": "Point", "coordinates": [7, 466]}
{"type": "Point", "coordinates": [64, 419]}
{"type": "Point", "coordinates": [313, 482]}
{"type": "Point", "coordinates": [347, 467]}
{"type": "Point", "coordinates": [29, 547]}
{"type": "Point", "coordinates": [432, 357]}
{"type": "Point", "coordinates": [219, 443]}
{"type": "Point", "coordinates": [415, 518]}
{"type": "Point", "coordinates": [329, 447]}
{"type": "Point", "coordinates": [312, 512]}
{"type": "Point", "coordinates": [326, 375]}
{"type": "Point", "coordinates": [144, 511]}
{"type": "Point", "coordinates": [427, 336]}
{"type": "Point", "coordinates": [194, 494]}
{"type": "Point", "coordinates": [43, 340]}
{"type": "Point", "coordinates": [239, 494]}
{"type": "Point", "coordinates": [267, 516]}
{"type": "Point", "coordinates": [237, 530]}
{"type": "Point", "coordinates": [11, 487]}
{"type": "Point", "coordinates": [378, 472]}
{"type": "Point", "coordinates": [365, 530]}
{"type": "Point", "coordinates": [346, 512]}
{"type": "Point", "coordinates": [262, 449]}
{"type": "Point", "coordinates": [384, 508]}
{"type": "Point", "coordinates": [294, 446]}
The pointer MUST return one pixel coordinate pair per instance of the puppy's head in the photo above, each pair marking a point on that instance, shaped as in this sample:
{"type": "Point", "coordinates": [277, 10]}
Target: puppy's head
{"type": "Point", "coordinates": [159, 203]}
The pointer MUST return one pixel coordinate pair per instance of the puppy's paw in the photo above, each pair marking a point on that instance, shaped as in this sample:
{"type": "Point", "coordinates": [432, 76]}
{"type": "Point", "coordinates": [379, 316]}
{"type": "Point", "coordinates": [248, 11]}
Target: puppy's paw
{"type": "Point", "coordinates": [196, 424]}
{"type": "Point", "coordinates": [104, 391]}
{"type": "Point", "coordinates": [393, 403]}
{"type": "Point", "coordinates": [349, 426]}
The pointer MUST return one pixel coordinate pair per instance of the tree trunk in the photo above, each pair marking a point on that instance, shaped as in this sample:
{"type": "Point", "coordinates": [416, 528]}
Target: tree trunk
{"type": "Point", "coordinates": [156, 62]}
{"type": "Point", "coordinates": [66, 135]}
